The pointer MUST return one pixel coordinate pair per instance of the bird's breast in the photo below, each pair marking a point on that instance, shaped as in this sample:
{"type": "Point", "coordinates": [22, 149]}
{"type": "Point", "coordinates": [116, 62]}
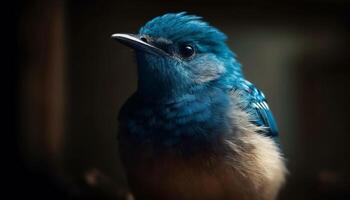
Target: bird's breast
{"type": "Point", "coordinates": [250, 169]}
{"type": "Point", "coordinates": [190, 120]}
{"type": "Point", "coordinates": [235, 164]}
{"type": "Point", "coordinates": [172, 177]}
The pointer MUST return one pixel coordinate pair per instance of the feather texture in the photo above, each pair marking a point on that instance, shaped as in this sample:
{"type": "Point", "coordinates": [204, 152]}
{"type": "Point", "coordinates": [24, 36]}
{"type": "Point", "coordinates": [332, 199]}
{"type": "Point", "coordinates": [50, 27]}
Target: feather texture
{"type": "Point", "coordinates": [248, 166]}
{"type": "Point", "coordinates": [195, 128]}
{"type": "Point", "coordinates": [256, 104]}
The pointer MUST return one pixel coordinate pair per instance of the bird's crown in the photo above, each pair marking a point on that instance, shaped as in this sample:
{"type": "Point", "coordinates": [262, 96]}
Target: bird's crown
{"type": "Point", "coordinates": [184, 28]}
{"type": "Point", "coordinates": [176, 26]}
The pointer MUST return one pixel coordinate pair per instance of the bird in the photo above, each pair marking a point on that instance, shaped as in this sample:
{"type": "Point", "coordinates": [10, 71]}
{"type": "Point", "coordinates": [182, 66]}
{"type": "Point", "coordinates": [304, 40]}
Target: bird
{"type": "Point", "coordinates": [195, 128]}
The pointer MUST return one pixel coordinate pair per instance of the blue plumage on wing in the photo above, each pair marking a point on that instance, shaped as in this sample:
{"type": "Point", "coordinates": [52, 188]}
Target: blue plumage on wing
{"type": "Point", "coordinates": [257, 105]}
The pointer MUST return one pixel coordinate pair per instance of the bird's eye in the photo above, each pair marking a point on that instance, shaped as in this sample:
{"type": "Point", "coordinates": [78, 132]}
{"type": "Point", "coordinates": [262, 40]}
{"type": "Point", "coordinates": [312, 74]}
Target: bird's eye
{"type": "Point", "coordinates": [186, 51]}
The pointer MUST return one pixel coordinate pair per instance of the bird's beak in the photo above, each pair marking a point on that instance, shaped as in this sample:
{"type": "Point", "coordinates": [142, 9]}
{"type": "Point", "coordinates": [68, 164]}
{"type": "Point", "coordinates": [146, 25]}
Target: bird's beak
{"type": "Point", "coordinates": [136, 43]}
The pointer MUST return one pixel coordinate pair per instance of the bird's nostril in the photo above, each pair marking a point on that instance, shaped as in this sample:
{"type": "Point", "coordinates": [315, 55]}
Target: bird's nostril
{"type": "Point", "coordinates": [143, 39]}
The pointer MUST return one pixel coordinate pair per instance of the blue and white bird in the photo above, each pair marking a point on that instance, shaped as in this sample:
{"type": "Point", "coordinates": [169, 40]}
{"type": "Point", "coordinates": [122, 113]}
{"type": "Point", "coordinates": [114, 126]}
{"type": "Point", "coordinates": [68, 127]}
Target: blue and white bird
{"type": "Point", "coordinates": [195, 128]}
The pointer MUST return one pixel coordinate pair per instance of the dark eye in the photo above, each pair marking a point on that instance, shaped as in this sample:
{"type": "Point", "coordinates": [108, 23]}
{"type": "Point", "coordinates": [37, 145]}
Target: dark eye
{"type": "Point", "coordinates": [186, 51]}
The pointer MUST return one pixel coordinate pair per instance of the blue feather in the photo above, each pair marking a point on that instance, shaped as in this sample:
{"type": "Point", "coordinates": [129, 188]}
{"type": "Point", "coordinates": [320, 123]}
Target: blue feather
{"type": "Point", "coordinates": [257, 104]}
{"type": "Point", "coordinates": [180, 136]}
{"type": "Point", "coordinates": [187, 100]}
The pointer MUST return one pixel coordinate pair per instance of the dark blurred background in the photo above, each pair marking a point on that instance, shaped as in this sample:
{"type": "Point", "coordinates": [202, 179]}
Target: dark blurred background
{"type": "Point", "coordinates": [71, 79]}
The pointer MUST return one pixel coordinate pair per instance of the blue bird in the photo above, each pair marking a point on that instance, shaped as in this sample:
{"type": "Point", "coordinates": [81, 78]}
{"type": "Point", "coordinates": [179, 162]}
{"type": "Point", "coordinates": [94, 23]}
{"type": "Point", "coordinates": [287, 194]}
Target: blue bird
{"type": "Point", "coordinates": [195, 128]}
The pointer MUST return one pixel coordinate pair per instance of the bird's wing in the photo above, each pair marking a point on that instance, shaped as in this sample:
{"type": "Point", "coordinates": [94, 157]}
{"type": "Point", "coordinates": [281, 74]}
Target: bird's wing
{"type": "Point", "coordinates": [256, 105]}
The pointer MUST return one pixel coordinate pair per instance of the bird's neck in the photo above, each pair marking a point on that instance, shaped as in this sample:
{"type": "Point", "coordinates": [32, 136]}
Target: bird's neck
{"type": "Point", "coordinates": [188, 122]}
{"type": "Point", "coordinates": [162, 90]}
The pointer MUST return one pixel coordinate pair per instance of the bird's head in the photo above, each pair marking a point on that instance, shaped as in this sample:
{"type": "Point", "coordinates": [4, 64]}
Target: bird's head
{"type": "Point", "coordinates": [177, 53]}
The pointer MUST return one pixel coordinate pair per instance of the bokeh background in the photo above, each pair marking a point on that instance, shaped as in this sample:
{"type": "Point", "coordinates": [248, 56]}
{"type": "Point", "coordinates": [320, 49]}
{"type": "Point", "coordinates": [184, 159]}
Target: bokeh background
{"type": "Point", "coordinates": [72, 79]}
